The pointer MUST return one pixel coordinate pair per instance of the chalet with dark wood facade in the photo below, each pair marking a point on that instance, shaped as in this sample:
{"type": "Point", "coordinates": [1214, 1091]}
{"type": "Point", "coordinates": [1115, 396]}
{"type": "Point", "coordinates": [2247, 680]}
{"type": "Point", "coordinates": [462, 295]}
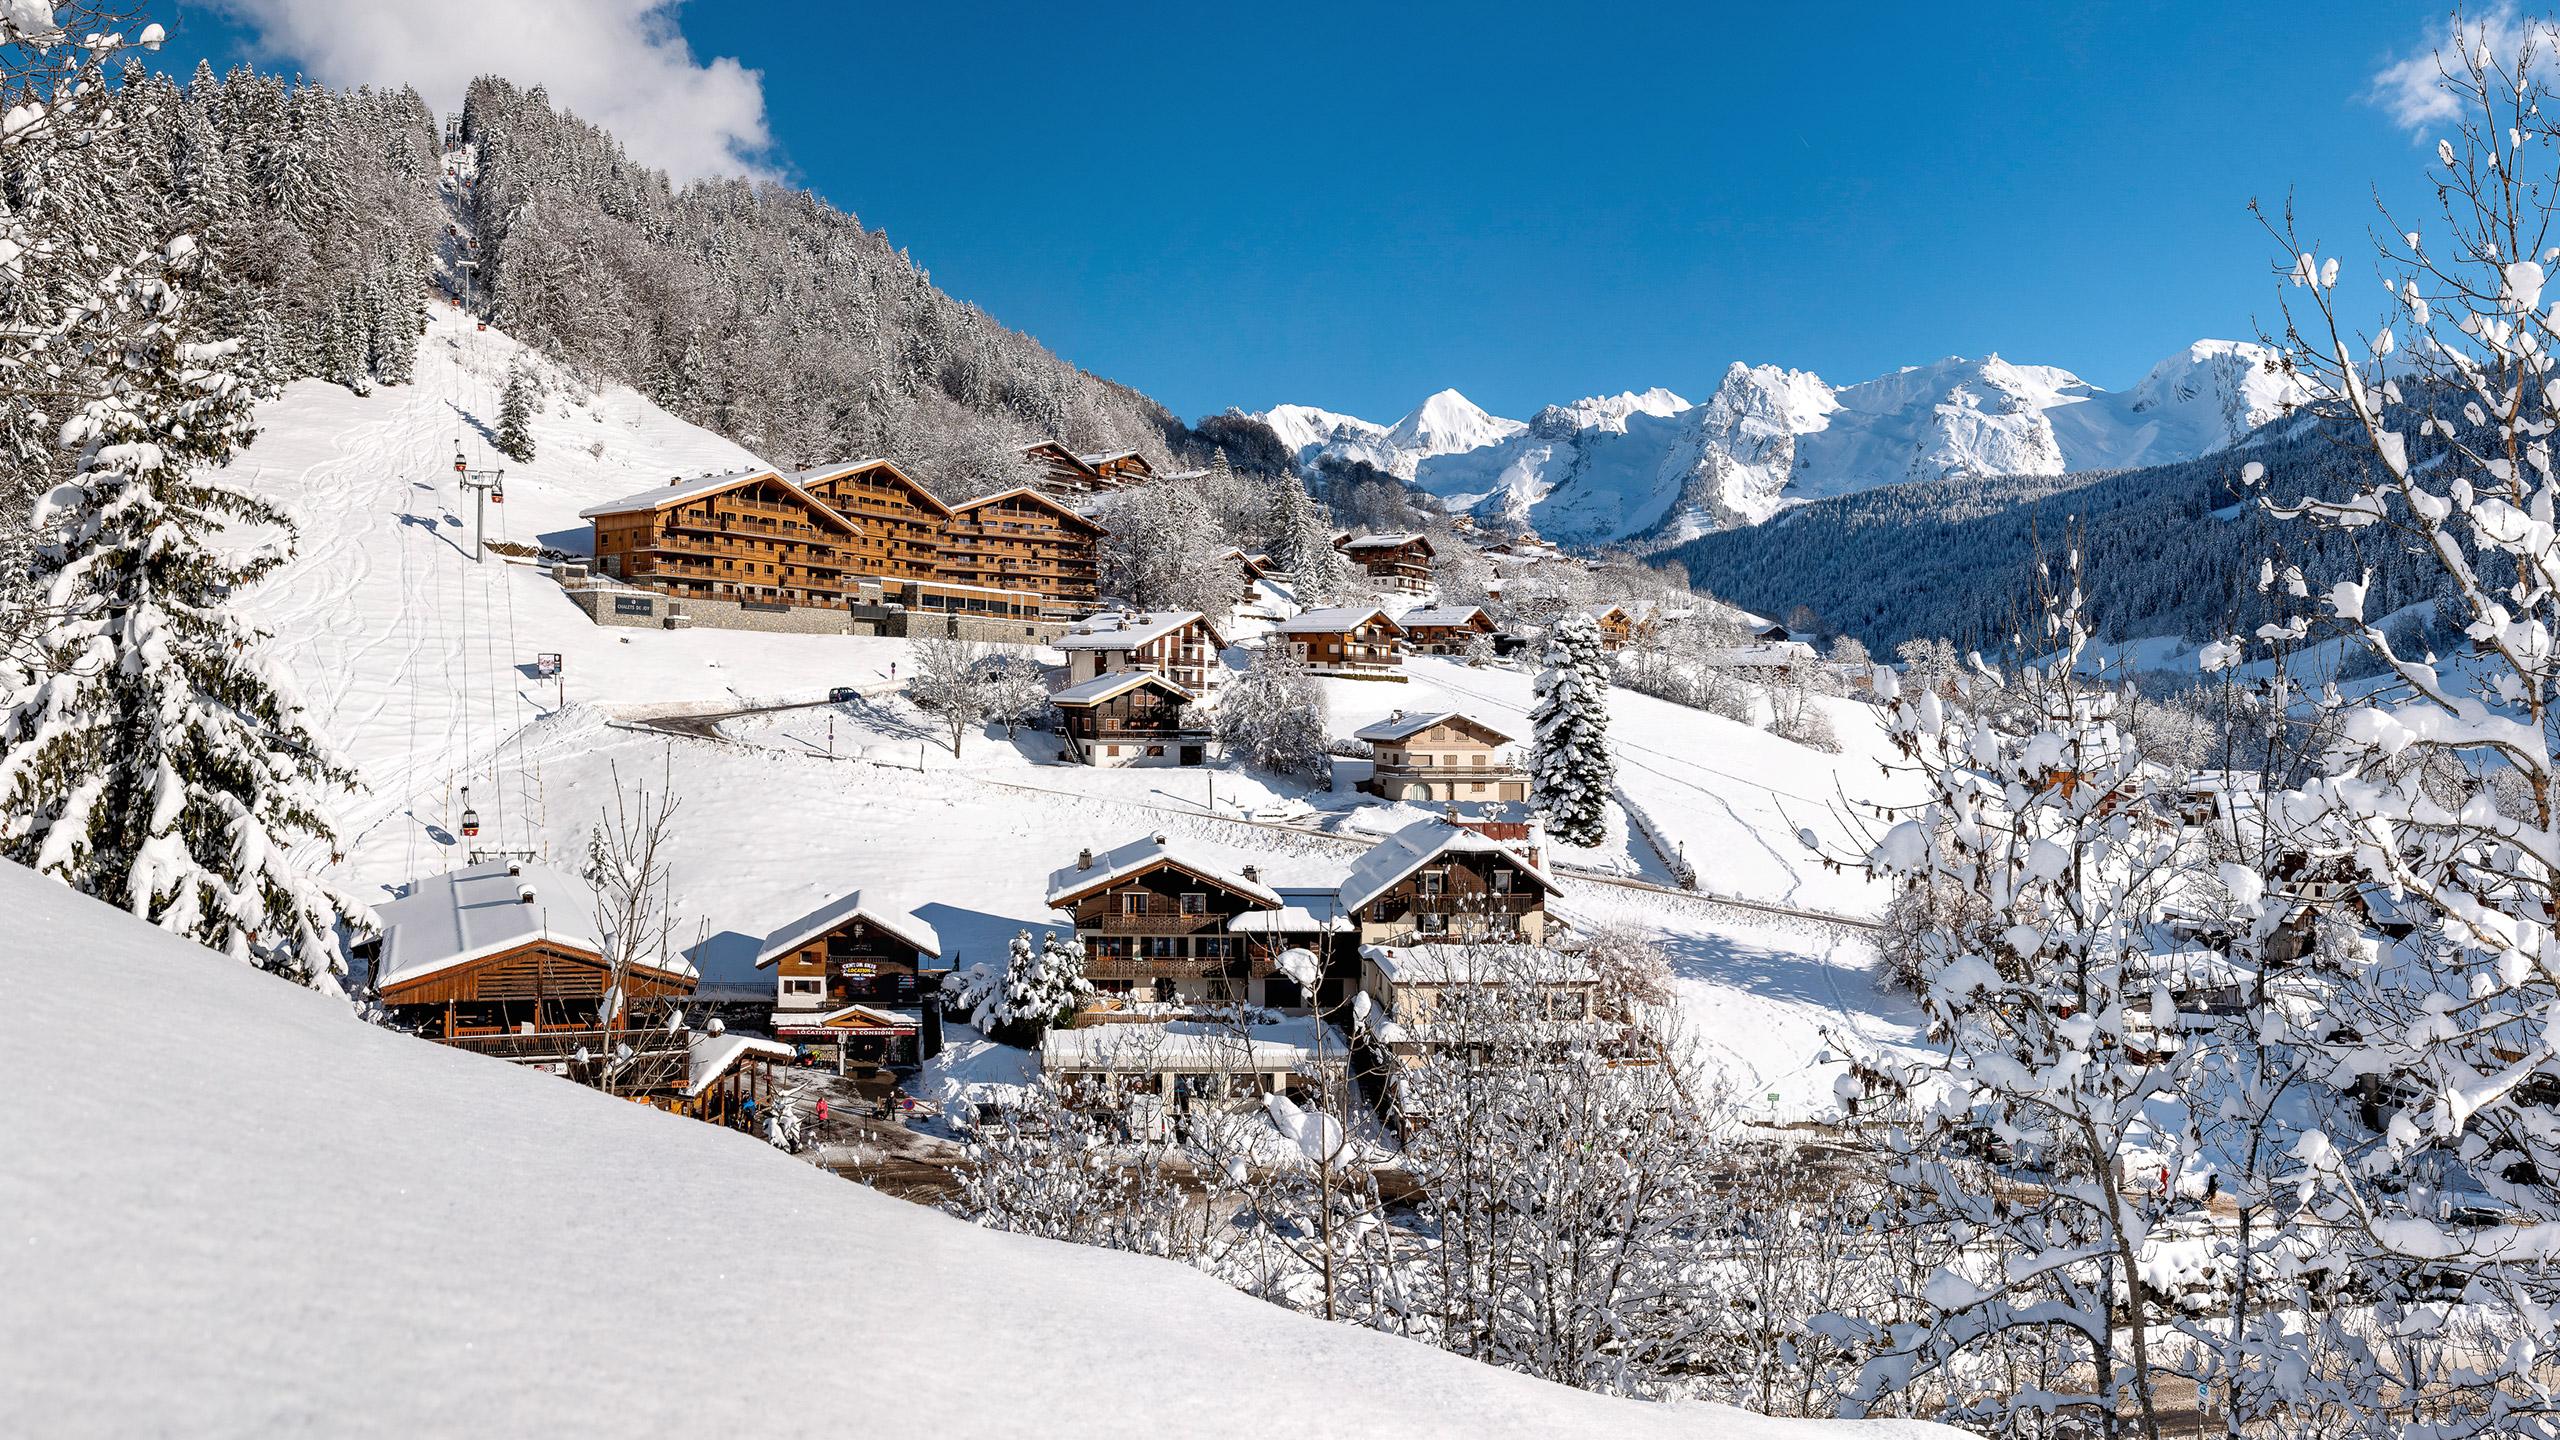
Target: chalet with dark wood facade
{"type": "Point", "coordinates": [1434, 882]}
{"type": "Point", "coordinates": [1443, 756]}
{"type": "Point", "coordinates": [1064, 472]}
{"type": "Point", "coordinates": [1021, 539]}
{"type": "Point", "coordinates": [502, 956]}
{"type": "Point", "coordinates": [1180, 645]}
{"type": "Point", "coordinates": [1159, 922]}
{"type": "Point", "coordinates": [1130, 717]}
{"type": "Point", "coordinates": [1359, 644]}
{"type": "Point", "coordinates": [1446, 629]}
{"type": "Point", "coordinates": [1392, 562]}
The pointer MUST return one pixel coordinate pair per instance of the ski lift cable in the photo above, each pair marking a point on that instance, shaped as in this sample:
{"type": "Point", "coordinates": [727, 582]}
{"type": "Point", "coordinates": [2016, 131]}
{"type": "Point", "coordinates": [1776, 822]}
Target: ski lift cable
{"type": "Point", "coordinates": [528, 785]}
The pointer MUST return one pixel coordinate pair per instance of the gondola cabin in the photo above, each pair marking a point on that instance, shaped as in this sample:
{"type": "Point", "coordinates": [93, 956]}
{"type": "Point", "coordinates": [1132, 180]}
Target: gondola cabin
{"type": "Point", "coordinates": [506, 948]}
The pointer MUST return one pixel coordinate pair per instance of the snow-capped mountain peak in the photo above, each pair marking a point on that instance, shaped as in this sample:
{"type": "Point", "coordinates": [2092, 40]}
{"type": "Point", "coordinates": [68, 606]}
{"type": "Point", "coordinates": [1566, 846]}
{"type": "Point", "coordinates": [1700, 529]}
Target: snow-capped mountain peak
{"type": "Point", "coordinates": [1447, 423]}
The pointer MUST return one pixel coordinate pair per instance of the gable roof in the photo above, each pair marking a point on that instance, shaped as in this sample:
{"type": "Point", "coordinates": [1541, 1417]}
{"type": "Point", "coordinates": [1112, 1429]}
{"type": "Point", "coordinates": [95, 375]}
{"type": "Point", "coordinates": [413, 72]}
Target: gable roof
{"type": "Point", "coordinates": [708, 1057]}
{"type": "Point", "coordinates": [843, 910]}
{"type": "Point", "coordinates": [475, 912]}
{"type": "Point", "coordinates": [665, 495]}
{"type": "Point", "coordinates": [1129, 629]}
{"type": "Point", "coordinates": [1256, 566]}
{"type": "Point", "coordinates": [1444, 616]}
{"type": "Point", "coordinates": [1603, 612]}
{"type": "Point", "coordinates": [1389, 542]}
{"type": "Point", "coordinates": [1404, 726]}
{"type": "Point", "coordinates": [1105, 457]}
{"type": "Point", "coordinates": [1117, 682]}
{"type": "Point", "coordinates": [1038, 496]}
{"type": "Point", "coordinates": [1071, 883]}
{"type": "Point", "coordinates": [1335, 620]}
{"type": "Point", "coordinates": [1418, 844]}
{"type": "Point", "coordinates": [855, 467]}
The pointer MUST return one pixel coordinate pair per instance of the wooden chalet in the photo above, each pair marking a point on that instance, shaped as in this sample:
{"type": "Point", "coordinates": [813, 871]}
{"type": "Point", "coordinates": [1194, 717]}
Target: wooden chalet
{"type": "Point", "coordinates": [1161, 922]}
{"type": "Point", "coordinates": [501, 956]}
{"type": "Point", "coordinates": [856, 947]}
{"type": "Point", "coordinates": [1355, 643]}
{"type": "Point", "coordinates": [1020, 539]}
{"type": "Point", "coordinates": [749, 535]}
{"type": "Point", "coordinates": [1435, 882]}
{"type": "Point", "coordinates": [1130, 717]}
{"type": "Point", "coordinates": [1251, 570]}
{"type": "Point", "coordinates": [1446, 629]}
{"type": "Point", "coordinates": [900, 523]}
{"type": "Point", "coordinates": [1180, 645]}
{"type": "Point", "coordinates": [1120, 468]}
{"type": "Point", "coordinates": [1442, 756]}
{"type": "Point", "coordinates": [1617, 625]}
{"type": "Point", "coordinates": [1393, 562]}
{"type": "Point", "coordinates": [1530, 1002]}
{"type": "Point", "coordinates": [1065, 472]}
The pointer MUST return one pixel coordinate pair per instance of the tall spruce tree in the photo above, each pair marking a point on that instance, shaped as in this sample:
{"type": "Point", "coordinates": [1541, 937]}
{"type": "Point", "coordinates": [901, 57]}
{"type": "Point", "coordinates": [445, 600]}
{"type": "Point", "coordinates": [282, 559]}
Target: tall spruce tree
{"type": "Point", "coordinates": [515, 417]}
{"type": "Point", "coordinates": [1570, 759]}
{"type": "Point", "coordinates": [145, 758]}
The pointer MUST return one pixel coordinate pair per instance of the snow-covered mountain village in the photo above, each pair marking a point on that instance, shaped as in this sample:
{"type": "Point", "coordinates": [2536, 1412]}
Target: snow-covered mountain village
{"type": "Point", "coordinates": [611, 795]}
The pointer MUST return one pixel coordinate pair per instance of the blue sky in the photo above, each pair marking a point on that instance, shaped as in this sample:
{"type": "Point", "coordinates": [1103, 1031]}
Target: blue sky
{"type": "Point", "coordinates": [1354, 206]}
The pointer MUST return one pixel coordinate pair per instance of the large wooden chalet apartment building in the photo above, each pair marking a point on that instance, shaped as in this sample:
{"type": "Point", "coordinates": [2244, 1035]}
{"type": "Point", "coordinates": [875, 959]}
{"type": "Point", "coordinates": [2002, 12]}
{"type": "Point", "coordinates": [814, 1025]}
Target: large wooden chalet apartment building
{"type": "Point", "coordinates": [864, 533]}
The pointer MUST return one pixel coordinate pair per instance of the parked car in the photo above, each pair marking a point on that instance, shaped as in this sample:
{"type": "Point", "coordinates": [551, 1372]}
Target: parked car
{"type": "Point", "coordinates": [843, 695]}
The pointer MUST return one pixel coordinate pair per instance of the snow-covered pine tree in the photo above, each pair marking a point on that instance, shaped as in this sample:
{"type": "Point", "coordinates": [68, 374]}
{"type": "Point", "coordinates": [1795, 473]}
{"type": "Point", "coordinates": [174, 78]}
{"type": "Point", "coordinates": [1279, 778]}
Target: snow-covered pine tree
{"type": "Point", "coordinates": [515, 417]}
{"type": "Point", "coordinates": [1042, 985]}
{"type": "Point", "coordinates": [156, 765]}
{"type": "Point", "coordinates": [1571, 769]}
{"type": "Point", "coordinates": [1273, 716]}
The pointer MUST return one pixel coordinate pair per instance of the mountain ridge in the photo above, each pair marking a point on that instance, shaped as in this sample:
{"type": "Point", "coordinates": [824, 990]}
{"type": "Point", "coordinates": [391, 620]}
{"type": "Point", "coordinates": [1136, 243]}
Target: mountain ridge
{"type": "Point", "coordinates": [1653, 470]}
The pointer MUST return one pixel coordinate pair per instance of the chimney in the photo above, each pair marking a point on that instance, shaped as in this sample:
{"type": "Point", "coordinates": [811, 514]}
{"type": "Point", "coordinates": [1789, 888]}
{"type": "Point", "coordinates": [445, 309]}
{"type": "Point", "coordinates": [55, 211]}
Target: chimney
{"type": "Point", "coordinates": [1253, 873]}
{"type": "Point", "coordinates": [1084, 859]}
{"type": "Point", "coordinates": [515, 867]}
{"type": "Point", "coordinates": [1159, 837]}
{"type": "Point", "coordinates": [524, 894]}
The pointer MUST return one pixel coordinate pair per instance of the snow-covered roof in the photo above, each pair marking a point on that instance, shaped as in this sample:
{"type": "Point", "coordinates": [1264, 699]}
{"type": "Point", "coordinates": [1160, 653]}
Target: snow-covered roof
{"type": "Point", "coordinates": [1194, 1045]}
{"type": "Point", "coordinates": [1478, 965]}
{"type": "Point", "coordinates": [1405, 725]}
{"type": "Point", "coordinates": [480, 910]}
{"type": "Point", "coordinates": [1071, 882]}
{"type": "Point", "coordinates": [1105, 457]}
{"type": "Point", "coordinates": [1773, 654]}
{"type": "Point", "coordinates": [1387, 542]}
{"type": "Point", "coordinates": [1027, 492]}
{"type": "Point", "coordinates": [1103, 687]}
{"type": "Point", "coordinates": [786, 1023]}
{"type": "Point", "coordinates": [1335, 620]}
{"type": "Point", "coordinates": [1302, 912]}
{"type": "Point", "coordinates": [1418, 844]}
{"type": "Point", "coordinates": [1129, 629]}
{"type": "Point", "coordinates": [709, 1057]}
{"type": "Point", "coordinates": [856, 467]}
{"type": "Point", "coordinates": [682, 491]}
{"type": "Point", "coordinates": [1447, 616]}
{"type": "Point", "coordinates": [860, 904]}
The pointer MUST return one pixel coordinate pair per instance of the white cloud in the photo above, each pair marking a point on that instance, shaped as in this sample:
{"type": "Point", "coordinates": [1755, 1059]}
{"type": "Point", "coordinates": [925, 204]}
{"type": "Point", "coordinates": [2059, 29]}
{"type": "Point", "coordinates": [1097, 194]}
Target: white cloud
{"type": "Point", "coordinates": [2411, 88]}
{"type": "Point", "coordinates": [620, 63]}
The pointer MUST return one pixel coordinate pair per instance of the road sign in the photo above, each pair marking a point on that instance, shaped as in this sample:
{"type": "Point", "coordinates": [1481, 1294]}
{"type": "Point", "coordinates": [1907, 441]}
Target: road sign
{"type": "Point", "coordinates": [546, 664]}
